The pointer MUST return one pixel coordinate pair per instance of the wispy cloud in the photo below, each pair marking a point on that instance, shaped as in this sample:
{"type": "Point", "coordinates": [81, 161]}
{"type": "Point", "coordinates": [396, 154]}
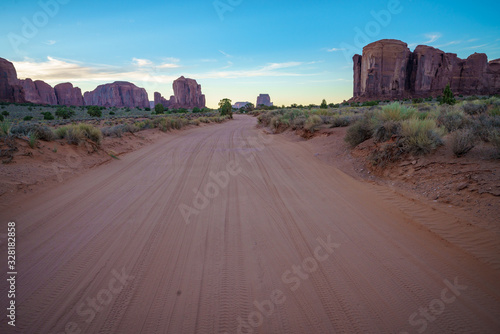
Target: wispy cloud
{"type": "Point", "coordinates": [50, 42]}
{"type": "Point", "coordinates": [335, 49]}
{"type": "Point", "coordinates": [268, 70]}
{"type": "Point", "coordinates": [448, 44]}
{"type": "Point", "coordinates": [432, 37]}
{"type": "Point", "coordinates": [226, 54]}
{"type": "Point", "coordinates": [473, 40]}
{"type": "Point", "coordinates": [208, 60]}
{"type": "Point", "coordinates": [477, 46]}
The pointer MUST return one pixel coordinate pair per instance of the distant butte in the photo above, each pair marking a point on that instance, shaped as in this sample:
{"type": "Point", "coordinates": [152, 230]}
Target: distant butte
{"type": "Point", "coordinates": [389, 70]}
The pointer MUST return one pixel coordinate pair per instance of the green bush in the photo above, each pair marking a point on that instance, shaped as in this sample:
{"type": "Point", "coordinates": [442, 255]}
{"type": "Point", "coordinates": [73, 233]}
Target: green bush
{"type": "Point", "coordinates": [64, 112]}
{"type": "Point", "coordinates": [94, 111]}
{"type": "Point", "coordinates": [395, 112]}
{"type": "Point", "coordinates": [360, 131]}
{"type": "Point", "coordinates": [4, 128]}
{"type": "Point", "coordinates": [159, 109]}
{"type": "Point", "coordinates": [462, 142]}
{"type": "Point", "coordinates": [5, 113]}
{"type": "Point", "coordinates": [47, 116]}
{"type": "Point", "coordinates": [27, 118]}
{"type": "Point", "coordinates": [1, 118]}
{"type": "Point", "coordinates": [324, 105]}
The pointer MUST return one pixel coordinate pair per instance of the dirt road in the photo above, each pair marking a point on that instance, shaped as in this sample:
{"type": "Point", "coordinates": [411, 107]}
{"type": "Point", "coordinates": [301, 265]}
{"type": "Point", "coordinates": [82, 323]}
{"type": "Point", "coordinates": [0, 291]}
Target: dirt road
{"type": "Point", "coordinates": [224, 229]}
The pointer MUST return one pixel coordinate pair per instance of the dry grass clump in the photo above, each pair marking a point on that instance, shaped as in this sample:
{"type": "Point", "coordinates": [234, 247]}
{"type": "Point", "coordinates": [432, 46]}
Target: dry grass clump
{"type": "Point", "coordinates": [79, 133]}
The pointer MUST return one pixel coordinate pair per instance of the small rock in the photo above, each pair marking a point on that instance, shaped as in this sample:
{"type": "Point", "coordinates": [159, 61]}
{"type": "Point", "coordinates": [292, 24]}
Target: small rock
{"type": "Point", "coordinates": [462, 186]}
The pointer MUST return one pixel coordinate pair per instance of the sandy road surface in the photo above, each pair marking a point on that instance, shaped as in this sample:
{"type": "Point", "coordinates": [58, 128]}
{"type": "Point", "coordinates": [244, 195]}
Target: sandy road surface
{"type": "Point", "coordinates": [275, 242]}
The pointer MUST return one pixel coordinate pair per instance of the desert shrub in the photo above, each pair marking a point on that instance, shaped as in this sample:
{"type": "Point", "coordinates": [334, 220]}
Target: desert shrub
{"type": "Point", "coordinates": [462, 142]}
{"type": "Point", "coordinates": [1, 118]}
{"type": "Point", "coordinates": [495, 140]}
{"type": "Point", "coordinates": [5, 113]}
{"type": "Point", "coordinates": [342, 120]}
{"type": "Point", "coordinates": [452, 119]}
{"type": "Point", "coordinates": [64, 112]}
{"type": "Point", "coordinates": [386, 153]}
{"type": "Point", "coordinates": [495, 111]}
{"type": "Point", "coordinates": [78, 133]}
{"type": "Point", "coordinates": [384, 131]}
{"type": "Point", "coordinates": [395, 112]}
{"type": "Point", "coordinates": [47, 116]}
{"type": "Point", "coordinates": [298, 122]}
{"type": "Point", "coordinates": [32, 139]}
{"type": "Point", "coordinates": [119, 130]}
{"type": "Point", "coordinates": [474, 108]}
{"type": "Point", "coordinates": [4, 128]}
{"type": "Point", "coordinates": [417, 100]}
{"type": "Point", "coordinates": [312, 123]}
{"type": "Point", "coordinates": [370, 103]}
{"type": "Point", "coordinates": [40, 131]}
{"type": "Point", "coordinates": [94, 111]}
{"type": "Point", "coordinates": [420, 136]}
{"type": "Point", "coordinates": [27, 118]}
{"type": "Point", "coordinates": [484, 125]}
{"type": "Point", "coordinates": [360, 131]}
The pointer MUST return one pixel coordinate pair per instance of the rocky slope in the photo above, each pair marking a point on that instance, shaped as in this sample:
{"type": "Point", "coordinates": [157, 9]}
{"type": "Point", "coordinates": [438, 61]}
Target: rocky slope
{"type": "Point", "coordinates": [388, 69]}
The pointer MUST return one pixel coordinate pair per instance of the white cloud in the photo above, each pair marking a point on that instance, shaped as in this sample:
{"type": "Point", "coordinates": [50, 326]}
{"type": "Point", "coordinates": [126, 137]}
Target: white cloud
{"type": "Point", "coordinates": [55, 71]}
{"type": "Point", "coordinates": [473, 40]}
{"type": "Point", "coordinates": [432, 37]}
{"type": "Point", "coordinates": [50, 42]}
{"type": "Point", "coordinates": [166, 65]}
{"type": "Point", "coordinates": [335, 49]}
{"type": "Point", "coordinates": [142, 62]}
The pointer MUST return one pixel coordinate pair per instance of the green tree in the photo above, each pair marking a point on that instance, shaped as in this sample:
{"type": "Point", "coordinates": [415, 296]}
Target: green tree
{"type": "Point", "coordinates": [324, 105]}
{"type": "Point", "coordinates": [448, 96]}
{"type": "Point", "coordinates": [196, 110]}
{"type": "Point", "coordinates": [249, 107]}
{"type": "Point", "coordinates": [94, 111]}
{"type": "Point", "coordinates": [226, 108]}
{"type": "Point", "coordinates": [159, 109]}
{"type": "Point", "coordinates": [47, 116]}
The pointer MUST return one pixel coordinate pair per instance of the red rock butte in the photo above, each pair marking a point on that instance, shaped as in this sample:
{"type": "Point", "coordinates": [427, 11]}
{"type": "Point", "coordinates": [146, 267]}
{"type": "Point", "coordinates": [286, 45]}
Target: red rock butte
{"type": "Point", "coordinates": [187, 94]}
{"type": "Point", "coordinates": [389, 70]}
{"type": "Point", "coordinates": [118, 94]}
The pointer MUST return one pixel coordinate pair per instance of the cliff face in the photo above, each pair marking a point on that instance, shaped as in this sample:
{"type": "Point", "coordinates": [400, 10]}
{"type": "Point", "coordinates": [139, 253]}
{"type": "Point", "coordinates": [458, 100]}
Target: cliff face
{"type": "Point", "coordinates": [11, 89]}
{"type": "Point", "coordinates": [187, 94]}
{"type": "Point", "coordinates": [388, 69]}
{"type": "Point", "coordinates": [38, 92]}
{"type": "Point", "coordinates": [68, 95]}
{"type": "Point", "coordinates": [118, 94]}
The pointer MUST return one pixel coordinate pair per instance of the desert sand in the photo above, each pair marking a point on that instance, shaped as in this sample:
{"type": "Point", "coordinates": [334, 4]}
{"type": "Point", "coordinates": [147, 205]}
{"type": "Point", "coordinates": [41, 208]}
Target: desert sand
{"type": "Point", "coordinates": [227, 229]}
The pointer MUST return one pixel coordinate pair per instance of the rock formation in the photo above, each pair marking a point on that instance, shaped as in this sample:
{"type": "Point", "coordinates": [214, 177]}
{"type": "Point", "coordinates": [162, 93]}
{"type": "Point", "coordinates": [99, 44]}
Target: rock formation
{"type": "Point", "coordinates": [118, 94]}
{"type": "Point", "coordinates": [68, 95]}
{"type": "Point", "coordinates": [10, 88]}
{"type": "Point", "coordinates": [38, 92]}
{"type": "Point", "coordinates": [187, 94]}
{"type": "Point", "coordinates": [389, 70]}
{"type": "Point", "coordinates": [264, 99]}
{"type": "Point", "coordinates": [239, 105]}
{"type": "Point", "coordinates": [161, 100]}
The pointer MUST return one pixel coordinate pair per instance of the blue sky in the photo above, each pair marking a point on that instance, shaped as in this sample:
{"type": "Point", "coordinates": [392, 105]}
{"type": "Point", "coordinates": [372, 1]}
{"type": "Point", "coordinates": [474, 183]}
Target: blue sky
{"type": "Point", "coordinates": [296, 51]}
